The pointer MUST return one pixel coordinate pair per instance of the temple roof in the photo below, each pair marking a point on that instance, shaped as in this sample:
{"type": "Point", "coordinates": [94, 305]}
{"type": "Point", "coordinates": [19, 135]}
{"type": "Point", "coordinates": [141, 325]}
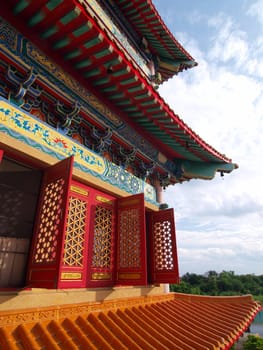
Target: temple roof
{"type": "Point", "coordinates": [147, 22]}
{"type": "Point", "coordinates": [72, 35]}
{"type": "Point", "coordinates": [167, 321]}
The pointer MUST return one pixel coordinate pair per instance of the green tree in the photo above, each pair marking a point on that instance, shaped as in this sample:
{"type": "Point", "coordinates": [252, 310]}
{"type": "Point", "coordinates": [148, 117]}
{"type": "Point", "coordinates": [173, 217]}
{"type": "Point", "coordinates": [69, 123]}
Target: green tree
{"type": "Point", "coordinates": [183, 287]}
{"type": "Point", "coordinates": [193, 279]}
{"type": "Point", "coordinates": [253, 343]}
{"type": "Point", "coordinates": [223, 283]}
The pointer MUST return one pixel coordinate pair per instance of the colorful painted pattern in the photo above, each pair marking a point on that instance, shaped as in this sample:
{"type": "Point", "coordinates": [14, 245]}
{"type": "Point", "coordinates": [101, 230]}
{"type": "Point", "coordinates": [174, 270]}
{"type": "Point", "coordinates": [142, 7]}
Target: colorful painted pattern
{"type": "Point", "coordinates": [24, 127]}
{"type": "Point", "coordinates": [18, 48]}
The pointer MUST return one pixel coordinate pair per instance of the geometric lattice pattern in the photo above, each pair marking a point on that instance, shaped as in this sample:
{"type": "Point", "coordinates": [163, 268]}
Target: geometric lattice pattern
{"type": "Point", "coordinates": [129, 238]}
{"type": "Point", "coordinates": [47, 235]}
{"type": "Point", "coordinates": [163, 249]}
{"type": "Point", "coordinates": [75, 232]}
{"type": "Point", "coordinates": [103, 240]}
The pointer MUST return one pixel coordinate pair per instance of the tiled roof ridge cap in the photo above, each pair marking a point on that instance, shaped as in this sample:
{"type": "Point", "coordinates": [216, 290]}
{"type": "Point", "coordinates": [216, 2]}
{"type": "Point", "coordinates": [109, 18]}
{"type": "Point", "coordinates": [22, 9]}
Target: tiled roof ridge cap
{"type": "Point", "coordinates": [248, 298]}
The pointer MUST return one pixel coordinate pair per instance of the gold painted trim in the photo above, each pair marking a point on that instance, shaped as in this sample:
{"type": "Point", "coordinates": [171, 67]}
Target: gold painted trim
{"type": "Point", "coordinates": [71, 276]}
{"type": "Point", "coordinates": [104, 200]}
{"type": "Point", "coordinates": [79, 190]}
{"type": "Point", "coordinates": [101, 276]}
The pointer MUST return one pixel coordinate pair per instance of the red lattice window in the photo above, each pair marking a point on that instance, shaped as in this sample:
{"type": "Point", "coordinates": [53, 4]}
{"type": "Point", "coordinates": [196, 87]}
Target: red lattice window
{"type": "Point", "coordinates": [163, 264]}
{"type": "Point", "coordinates": [45, 258]}
{"type": "Point", "coordinates": [131, 241]}
{"type": "Point", "coordinates": [81, 240]}
{"type": "Point", "coordinates": [73, 269]}
{"type": "Point", "coordinates": [46, 246]}
{"type": "Point", "coordinates": [163, 248]}
{"type": "Point", "coordinates": [102, 241]}
{"type": "Point", "coordinates": [130, 238]}
{"type": "Point", "coordinates": [75, 232]}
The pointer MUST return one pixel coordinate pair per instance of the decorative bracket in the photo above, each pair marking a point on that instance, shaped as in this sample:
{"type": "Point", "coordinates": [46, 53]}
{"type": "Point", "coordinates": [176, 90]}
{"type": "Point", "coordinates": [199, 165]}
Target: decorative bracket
{"type": "Point", "coordinates": [145, 169]}
{"type": "Point", "coordinates": [22, 86]}
{"type": "Point", "coordinates": [66, 114]}
{"type": "Point", "coordinates": [102, 139]}
{"type": "Point", "coordinates": [164, 180]}
{"type": "Point", "coordinates": [125, 157]}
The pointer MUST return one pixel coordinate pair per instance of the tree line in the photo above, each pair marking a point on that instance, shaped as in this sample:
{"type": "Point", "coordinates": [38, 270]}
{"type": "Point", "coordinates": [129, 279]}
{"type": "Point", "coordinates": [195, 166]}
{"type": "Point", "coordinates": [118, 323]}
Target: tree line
{"type": "Point", "coordinates": [223, 283]}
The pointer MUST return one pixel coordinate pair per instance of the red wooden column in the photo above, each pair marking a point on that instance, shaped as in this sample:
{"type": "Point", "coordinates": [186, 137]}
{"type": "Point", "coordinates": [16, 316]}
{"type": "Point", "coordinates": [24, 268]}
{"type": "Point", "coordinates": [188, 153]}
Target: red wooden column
{"type": "Point", "coordinates": [159, 192]}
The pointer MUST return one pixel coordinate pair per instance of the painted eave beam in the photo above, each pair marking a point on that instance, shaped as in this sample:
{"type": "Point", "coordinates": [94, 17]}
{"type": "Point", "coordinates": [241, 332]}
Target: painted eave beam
{"type": "Point", "coordinates": [200, 170]}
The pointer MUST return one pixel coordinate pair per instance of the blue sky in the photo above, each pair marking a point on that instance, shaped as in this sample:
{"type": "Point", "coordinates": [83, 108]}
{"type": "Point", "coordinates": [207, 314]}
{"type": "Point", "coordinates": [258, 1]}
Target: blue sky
{"type": "Point", "coordinates": [220, 222]}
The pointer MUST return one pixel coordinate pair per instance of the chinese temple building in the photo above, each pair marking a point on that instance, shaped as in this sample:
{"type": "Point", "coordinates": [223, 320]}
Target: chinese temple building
{"type": "Point", "coordinates": [87, 145]}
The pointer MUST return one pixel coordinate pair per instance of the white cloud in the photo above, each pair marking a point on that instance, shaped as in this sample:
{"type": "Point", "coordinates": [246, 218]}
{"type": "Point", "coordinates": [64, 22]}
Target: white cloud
{"type": "Point", "coordinates": [221, 106]}
{"type": "Point", "coordinates": [220, 222]}
{"type": "Point", "coordinates": [256, 10]}
{"type": "Point", "coordinates": [255, 66]}
{"type": "Point", "coordinates": [229, 42]}
{"type": "Point", "coordinates": [231, 45]}
{"type": "Point", "coordinates": [203, 251]}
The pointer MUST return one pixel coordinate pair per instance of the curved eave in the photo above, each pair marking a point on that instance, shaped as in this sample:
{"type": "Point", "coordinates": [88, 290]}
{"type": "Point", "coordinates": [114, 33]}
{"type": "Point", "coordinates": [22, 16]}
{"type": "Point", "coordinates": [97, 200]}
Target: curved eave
{"type": "Point", "coordinates": [67, 33]}
{"type": "Point", "coordinates": [147, 22]}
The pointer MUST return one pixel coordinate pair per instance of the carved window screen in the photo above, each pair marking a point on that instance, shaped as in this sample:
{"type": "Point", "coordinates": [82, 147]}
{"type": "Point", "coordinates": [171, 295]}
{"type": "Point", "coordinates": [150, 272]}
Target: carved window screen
{"type": "Point", "coordinates": [163, 262]}
{"type": "Point", "coordinates": [130, 238]}
{"type": "Point", "coordinates": [102, 240]}
{"type": "Point", "coordinates": [73, 270]}
{"type": "Point", "coordinates": [131, 241]}
{"type": "Point", "coordinates": [75, 232]}
{"type": "Point", "coordinates": [44, 261]}
{"type": "Point", "coordinates": [50, 217]}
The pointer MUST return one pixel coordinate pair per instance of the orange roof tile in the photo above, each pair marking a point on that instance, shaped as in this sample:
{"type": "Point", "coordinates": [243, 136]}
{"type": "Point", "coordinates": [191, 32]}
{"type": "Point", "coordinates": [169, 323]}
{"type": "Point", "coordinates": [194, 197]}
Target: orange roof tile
{"type": "Point", "coordinates": [168, 321]}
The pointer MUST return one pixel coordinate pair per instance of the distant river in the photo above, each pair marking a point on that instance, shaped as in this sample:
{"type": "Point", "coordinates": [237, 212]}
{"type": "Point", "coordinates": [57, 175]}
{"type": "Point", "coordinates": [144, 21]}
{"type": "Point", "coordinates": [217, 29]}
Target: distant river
{"type": "Point", "coordinates": [257, 325]}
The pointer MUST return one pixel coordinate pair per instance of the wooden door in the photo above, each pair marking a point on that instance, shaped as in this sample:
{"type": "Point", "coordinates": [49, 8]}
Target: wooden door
{"type": "Point", "coordinates": [45, 257]}
{"type": "Point", "coordinates": [162, 251]}
{"type": "Point", "coordinates": [131, 268]}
